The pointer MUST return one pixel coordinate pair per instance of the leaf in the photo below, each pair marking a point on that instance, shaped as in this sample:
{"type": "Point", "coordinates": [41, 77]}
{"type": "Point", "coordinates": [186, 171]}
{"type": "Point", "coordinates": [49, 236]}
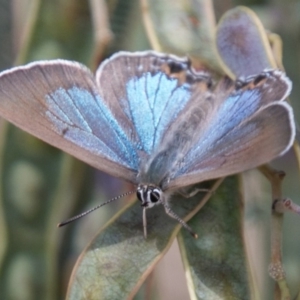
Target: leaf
{"type": "Point", "coordinates": [119, 258]}
{"type": "Point", "coordinates": [215, 263]}
{"type": "Point", "coordinates": [242, 43]}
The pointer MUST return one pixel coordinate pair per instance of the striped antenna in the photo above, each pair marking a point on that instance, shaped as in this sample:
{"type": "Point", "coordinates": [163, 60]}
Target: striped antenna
{"type": "Point", "coordinates": [92, 209]}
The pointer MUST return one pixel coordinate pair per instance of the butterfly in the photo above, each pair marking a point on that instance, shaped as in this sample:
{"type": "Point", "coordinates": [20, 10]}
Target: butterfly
{"type": "Point", "coordinates": [152, 119]}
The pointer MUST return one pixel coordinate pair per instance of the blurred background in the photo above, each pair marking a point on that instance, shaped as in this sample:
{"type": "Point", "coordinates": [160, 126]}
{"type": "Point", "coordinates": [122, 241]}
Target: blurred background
{"type": "Point", "coordinates": [40, 186]}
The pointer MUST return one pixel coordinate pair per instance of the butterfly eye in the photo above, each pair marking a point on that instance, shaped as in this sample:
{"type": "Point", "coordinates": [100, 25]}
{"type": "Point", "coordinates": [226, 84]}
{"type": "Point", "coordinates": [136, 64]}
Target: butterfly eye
{"type": "Point", "coordinates": [154, 196]}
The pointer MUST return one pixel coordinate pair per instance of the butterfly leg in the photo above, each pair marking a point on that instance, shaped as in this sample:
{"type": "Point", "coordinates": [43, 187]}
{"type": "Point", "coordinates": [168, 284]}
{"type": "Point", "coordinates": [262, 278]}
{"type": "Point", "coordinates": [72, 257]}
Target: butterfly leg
{"type": "Point", "coordinates": [145, 222]}
{"type": "Point", "coordinates": [191, 191]}
{"type": "Point", "coordinates": [171, 213]}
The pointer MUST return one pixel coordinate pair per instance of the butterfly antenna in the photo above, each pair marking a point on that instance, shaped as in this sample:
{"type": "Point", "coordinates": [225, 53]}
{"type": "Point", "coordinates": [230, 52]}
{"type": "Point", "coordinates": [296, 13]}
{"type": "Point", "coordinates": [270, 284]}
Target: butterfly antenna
{"type": "Point", "coordinates": [171, 213]}
{"type": "Point", "coordinates": [92, 209]}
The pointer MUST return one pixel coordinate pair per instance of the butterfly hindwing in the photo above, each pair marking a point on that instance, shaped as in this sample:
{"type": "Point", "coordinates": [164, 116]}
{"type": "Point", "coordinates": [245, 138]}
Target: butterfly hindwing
{"type": "Point", "coordinates": [249, 127]}
{"type": "Point", "coordinates": [144, 89]}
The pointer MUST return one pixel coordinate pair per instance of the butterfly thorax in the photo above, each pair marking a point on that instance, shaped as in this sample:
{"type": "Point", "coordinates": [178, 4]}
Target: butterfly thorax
{"type": "Point", "coordinates": [149, 195]}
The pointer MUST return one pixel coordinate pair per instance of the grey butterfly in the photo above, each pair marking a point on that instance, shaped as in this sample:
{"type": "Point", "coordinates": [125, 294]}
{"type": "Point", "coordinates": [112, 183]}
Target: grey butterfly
{"type": "Point", "coordinates": [151, 119]}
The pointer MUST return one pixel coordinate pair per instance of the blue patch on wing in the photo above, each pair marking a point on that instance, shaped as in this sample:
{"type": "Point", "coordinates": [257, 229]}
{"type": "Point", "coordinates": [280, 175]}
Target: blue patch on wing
{"type": "Point", "coordinates": [155, 101]}
{"type": "Point", "coordinates": [83, 118]}
{"type": "Point", "coordinates": [233, 111]}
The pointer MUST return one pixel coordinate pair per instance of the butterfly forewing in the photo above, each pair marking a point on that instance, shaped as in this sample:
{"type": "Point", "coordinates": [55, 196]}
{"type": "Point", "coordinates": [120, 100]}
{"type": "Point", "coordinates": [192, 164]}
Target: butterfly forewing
{"type": "Point", "coordinates": [58, 102]}
{"type": "Point", "coordinates": [147, 92]}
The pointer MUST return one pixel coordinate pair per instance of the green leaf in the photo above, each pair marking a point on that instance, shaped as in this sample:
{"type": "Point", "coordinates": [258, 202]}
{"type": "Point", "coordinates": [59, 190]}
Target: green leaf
{"type": "Point", "coordinates": [215, 263]}
{"type": "Point", "coordinates": [119, 258]}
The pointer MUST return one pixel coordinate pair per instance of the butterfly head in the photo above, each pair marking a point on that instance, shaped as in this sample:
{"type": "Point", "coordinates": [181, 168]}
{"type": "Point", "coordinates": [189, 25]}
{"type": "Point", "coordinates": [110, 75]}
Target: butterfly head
{"type": "Point", "coordinates": [149, 195]}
